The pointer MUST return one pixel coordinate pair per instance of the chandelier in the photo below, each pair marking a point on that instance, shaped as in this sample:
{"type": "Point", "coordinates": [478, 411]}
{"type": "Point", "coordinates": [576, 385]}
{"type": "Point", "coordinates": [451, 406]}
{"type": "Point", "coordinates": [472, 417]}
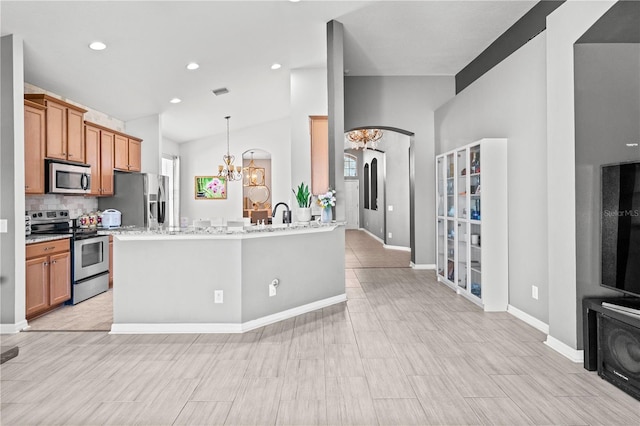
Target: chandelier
{"type": "Point", "coordinates": [364, 138]}
{"type": "Point", "coordinates": [253, 175]}
{"type": "Point", "coordinates": [227, 170]}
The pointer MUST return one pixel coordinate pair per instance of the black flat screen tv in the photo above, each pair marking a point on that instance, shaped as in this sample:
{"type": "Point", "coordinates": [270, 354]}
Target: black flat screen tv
{"type": "Point", "coordinates": [620, 227]}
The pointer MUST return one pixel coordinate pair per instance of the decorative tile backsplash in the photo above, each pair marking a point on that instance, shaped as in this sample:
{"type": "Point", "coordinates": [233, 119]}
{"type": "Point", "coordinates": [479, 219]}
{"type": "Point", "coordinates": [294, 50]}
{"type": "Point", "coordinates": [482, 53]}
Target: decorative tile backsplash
{"type": "Point", "coordinates": [76, 205]}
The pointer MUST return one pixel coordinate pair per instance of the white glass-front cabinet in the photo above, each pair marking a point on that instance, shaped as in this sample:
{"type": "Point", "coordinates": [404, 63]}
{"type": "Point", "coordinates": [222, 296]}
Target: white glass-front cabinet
{"type": "Point", "coordinates": [472, 233]}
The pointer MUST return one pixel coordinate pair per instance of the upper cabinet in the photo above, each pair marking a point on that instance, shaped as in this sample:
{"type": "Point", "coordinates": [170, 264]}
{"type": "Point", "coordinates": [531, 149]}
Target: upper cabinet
{"type": "Point", "coordinates": [127, 153]}
{"type": "Point", "coordinates": [34, 140]}
{"type": "Point", "coordinates": [99, 143]}
{"type": "Point", "coordinates": [64, 128]}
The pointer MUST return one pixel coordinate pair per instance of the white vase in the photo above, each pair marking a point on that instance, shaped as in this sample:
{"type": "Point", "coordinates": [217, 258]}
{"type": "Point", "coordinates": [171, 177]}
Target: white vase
{"type": "Point", "coordinates": [303, 214]}
{"type": "Point", "coordinates": [327, 215]}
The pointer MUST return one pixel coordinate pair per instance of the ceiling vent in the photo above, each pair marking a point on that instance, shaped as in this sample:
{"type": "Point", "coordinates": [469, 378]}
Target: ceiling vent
{"type": "Point", "coordinates": [220, 91]}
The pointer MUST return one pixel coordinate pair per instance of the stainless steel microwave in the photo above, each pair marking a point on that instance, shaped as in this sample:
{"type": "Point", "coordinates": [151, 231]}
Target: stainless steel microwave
{"type": "Point", "coordinates": [63, 178]}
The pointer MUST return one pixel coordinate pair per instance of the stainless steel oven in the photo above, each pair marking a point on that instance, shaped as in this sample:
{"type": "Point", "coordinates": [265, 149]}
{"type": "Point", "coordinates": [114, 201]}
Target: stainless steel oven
{"type": "Point", "coordinates": [90, 266]}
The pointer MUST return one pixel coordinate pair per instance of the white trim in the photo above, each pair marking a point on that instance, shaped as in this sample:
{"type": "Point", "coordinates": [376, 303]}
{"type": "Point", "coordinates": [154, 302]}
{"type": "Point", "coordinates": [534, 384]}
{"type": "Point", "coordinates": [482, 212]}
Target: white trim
{"type": "Point", "coordinates": [401, 248]}
{"type": "Point", "coordinates": [533, 322]}
{"type": "Point", "coordinates": [564, 349]}
{"type": "Point", "coordinates": [423, 265]}
{"type": "Point", "coordinates": [142, 328]}
{"type": "Point", "coordinates": [13, 328]}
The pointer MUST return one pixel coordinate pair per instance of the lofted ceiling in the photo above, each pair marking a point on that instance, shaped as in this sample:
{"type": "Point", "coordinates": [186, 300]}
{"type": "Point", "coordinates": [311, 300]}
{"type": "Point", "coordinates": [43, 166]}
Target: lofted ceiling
{"type": "Point", "coordinates": [235, 43]}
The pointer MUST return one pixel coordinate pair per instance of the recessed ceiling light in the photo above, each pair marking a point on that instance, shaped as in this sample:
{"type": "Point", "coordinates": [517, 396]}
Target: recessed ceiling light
{"type": "Point", "coordinates": [175, 100]}
{"type": "Point", "coordinates": [632, 144]}
{"type": "Point", "coordinates": [192, 66]}
{"type": "Point", "coordinates": [294, 1]}
{"type": "Point", "coordinates": [276, 66]}
{"type": "Point", "coordinates": [97, 45]}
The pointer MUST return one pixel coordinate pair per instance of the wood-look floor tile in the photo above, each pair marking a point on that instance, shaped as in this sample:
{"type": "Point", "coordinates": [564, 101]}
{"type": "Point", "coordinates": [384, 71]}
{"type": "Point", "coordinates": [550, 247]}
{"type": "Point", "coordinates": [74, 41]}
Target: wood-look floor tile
{"type": "Point", "coordinates": [302, 412]}
{"type": "Point", "coordinates": [257, 402]}
{"type": "Point", "coordinates": [374, 344]}
{"type": "Point", "coordinates": [351, 388]}
{"type": "Point", "coordinates": [338, 332]}
{"type": "Point", "coordinates": [346, 411]}
{"type": "Point", "coordinates": [169, 401]}
{"type": "Point", "coordinates": [470, 381]}
{"type": "Point", "coordinates": [387, 379]}
{"type": "Point", "coordinates": [498, 411]}
{"type": "Point", "coordinates": [399, 412]}
{"type": "Point", "coordinates": [365, 321]}
{"type": "Point", "coordinates": [203, 412]}
{"type": "Point", "coordinates": [303, 388]}
{"type": "Point", "coordinates": [221, 383]}
{"type": "Point", "coordinates": [342, 360]}
{"type": "Point", "coordinates": [453, 411]}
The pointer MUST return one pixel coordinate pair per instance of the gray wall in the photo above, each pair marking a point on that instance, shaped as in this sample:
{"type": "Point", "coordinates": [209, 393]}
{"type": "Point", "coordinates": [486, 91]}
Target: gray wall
{"type": "Point", "coordinates": [510, 101]}
{"type": "Point", "coordinates": [374, 219]}
{"type": "Point", "coordinates": [12, 266]}
{"type": "Point", "coordinates": [406, 103]}
{"type": "Point", "coordinates": [607, 99]}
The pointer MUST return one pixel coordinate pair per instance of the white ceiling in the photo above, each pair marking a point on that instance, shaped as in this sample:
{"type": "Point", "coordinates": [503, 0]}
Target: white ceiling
{"type": "Point", "coordinates": [235, 43]}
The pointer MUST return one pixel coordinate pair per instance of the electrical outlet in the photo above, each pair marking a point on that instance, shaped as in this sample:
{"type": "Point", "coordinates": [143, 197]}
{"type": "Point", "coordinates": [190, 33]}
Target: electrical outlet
{"type": "Point", "coordinates": [390, 235]}
{"type": "Point", "coordinates": [218, 296]}
{"type": "Point", "coordinates": [3, 225]}
{"type": "Point", "coordinates": [534, 292]}
{"type": "Point", "coordinates": [390, 208]}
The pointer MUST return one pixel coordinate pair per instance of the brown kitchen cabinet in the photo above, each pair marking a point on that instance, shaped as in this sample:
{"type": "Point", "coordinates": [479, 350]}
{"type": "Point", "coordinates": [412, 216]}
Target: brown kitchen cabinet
{"type": "Point", "coordinates": [99, 142]}
{"type": "Point", "coordinates": [110, 261]}
{"type": "Point", "coordinates": [64, 128]}
{"type": "Point", "coordinates": [127, 156]}
{"type": "Point", "coordinates": [319, 130]}
{"type": "Point", "coordinates": [34, 147]}
{"type": "Point", "coordinates": [48, 276]}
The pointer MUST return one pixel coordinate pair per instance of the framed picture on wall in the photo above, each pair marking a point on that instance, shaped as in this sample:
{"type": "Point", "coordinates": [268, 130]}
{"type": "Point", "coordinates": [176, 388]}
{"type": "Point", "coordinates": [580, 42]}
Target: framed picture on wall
{"type": "Point", "coordinates": [210, 188]}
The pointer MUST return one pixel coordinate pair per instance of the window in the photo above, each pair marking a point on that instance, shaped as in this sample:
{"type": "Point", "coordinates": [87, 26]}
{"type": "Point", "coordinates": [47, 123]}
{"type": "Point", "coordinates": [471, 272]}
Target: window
{"type": "Point", "coordinates": [366, 186]}
{"type": "Point", "coordinates": [374, 184]}
{"type": "Point", "coordinates": [350, 166]}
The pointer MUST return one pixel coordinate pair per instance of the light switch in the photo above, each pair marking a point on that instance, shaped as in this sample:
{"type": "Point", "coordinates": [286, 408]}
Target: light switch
{"type": "Point", "coordinates": [3, 226]}
{"type": "Point", "coordinates": [390, 208]}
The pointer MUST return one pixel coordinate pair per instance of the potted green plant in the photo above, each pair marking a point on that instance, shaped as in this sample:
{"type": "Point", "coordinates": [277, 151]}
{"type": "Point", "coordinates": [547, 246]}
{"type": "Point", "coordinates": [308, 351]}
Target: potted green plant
{"type": "Point", "coordinates": [303, 197]}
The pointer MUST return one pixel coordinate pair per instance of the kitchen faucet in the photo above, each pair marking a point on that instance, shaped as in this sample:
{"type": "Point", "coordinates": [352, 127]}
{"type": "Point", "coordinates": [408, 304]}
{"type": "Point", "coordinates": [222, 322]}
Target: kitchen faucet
{"type": "Point", "coordinates": [287, 217]}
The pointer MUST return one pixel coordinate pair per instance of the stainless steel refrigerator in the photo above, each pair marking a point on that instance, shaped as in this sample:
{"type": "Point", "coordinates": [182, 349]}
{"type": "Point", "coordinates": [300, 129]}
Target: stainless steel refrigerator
{"type": "Point", "coordinates": [142, 198]}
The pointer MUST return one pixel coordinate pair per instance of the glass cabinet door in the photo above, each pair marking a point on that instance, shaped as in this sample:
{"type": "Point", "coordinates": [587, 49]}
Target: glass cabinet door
{"type": "Point", "coordinates": [451, 233]}
{"type": "Point", "coordinates": [474, 182]}
{"type": "Point", "coordinates": [462, 184]}
{"type": "Point", "coordinates": [476, 259]}
{"type": "Point", "coordinates": [450, 185]}
{"type": "Point", "coordinates": [462, 255]}
{"type": "Point", "coordinates": [442, 248]}
{"type": "Point", "coordinates": [441, 179]}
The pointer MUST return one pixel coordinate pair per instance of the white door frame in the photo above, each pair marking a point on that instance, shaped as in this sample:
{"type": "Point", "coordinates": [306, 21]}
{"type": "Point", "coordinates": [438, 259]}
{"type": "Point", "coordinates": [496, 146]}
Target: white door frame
{"type": "Point", "coordinates": [352, 203]}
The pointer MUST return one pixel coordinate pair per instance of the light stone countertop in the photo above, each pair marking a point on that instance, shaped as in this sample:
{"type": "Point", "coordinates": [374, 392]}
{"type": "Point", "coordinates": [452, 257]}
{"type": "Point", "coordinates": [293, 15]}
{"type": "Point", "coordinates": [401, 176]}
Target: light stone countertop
{"type": "Point", "coordinates": [32, 239]}
{"type": "Point", "coordinates": [218, 232]}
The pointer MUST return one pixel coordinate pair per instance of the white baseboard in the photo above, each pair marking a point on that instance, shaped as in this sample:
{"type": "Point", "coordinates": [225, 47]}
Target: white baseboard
{"type": "Point", "coordinates": [423, 265]}
{"type": "Point", "coordinates": [401, 248]}
{"type": "Point", "coordinates": [574, 355]}
{"type": "Point", "coordinates": [13, 328]}
{"type": "Point", "coordinates": [533, 322]}
{"type": "Point", "coordinates": [142, 328]}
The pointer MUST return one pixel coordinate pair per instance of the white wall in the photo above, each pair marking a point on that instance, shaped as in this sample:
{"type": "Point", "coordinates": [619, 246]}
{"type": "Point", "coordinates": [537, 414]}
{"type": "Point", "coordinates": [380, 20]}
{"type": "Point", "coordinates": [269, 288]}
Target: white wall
{"type": "Point", "coordinates": [149, 130]}
{"type": "Point", "coordinates": [308, 97]}
{"type": "Point", "coordinates": [201, 158]}
{"type": "Point", "coordinates": [510, 102]}
{"type": "Point", "coordinates": [406, 103]}
{"type": "Point", "coordinates": [170, 147]}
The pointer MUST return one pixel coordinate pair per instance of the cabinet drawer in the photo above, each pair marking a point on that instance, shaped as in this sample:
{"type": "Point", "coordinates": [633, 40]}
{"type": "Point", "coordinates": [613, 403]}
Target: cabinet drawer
{"type": "Point", "coordinates": [47, 248]}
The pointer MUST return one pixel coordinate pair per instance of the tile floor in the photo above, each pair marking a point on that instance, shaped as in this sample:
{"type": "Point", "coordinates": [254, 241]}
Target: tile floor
{"type": "Point", "coordinates": [402, 350]}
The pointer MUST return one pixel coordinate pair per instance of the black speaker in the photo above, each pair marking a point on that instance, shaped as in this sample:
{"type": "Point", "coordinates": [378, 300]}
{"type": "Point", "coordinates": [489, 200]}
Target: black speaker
{"type": "Point", "coordinates": [619, 354]}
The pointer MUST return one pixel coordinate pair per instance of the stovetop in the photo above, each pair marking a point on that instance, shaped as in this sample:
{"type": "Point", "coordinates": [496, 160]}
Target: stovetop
{"type": "Point", "coordinates": [57, 222]}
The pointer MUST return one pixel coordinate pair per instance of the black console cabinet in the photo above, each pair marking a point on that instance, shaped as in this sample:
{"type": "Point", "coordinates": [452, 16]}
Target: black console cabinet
{"type": "Point", "coordinates": [590, 308]}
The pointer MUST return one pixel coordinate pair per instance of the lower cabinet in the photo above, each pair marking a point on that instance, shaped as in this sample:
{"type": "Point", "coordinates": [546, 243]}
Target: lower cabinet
{"type": "Point", "coordinates": [48, 276]}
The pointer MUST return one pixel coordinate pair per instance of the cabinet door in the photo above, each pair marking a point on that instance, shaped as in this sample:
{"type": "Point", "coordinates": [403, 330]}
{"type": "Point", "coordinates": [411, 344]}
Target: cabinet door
{"type": "Point", "coordinates": [59, 278]}
{"type": "Point", "coordinates": [121, 153]}
{"type": "Point", "coordinates": [34, 137]}
{"type": "Point", "coordinates": [135, 155]}
{"type": "Point", "coordinates": [56, 118]}
{"type": "Point", "coordinates": [37, 285]}
{"type": "Point", "coordinates": [75, 137]}
{"type": "Point", "coordinates": [106, 159]}
{"type": "Point", "coordinates": [92, 151]}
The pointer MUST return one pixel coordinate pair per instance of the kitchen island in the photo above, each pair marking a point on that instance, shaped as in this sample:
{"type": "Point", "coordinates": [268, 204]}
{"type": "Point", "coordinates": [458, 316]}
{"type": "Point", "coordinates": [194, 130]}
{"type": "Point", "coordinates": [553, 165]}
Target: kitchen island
{"type": "Point", "coordinates": [217, 281]}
